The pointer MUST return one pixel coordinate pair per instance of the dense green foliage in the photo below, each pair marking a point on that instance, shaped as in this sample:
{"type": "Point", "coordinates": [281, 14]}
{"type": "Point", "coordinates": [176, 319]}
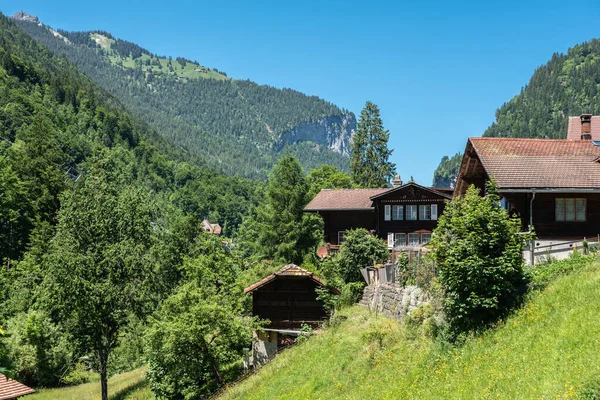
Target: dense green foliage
{"type": "Point", "coordinates": [360, 249]}
{"type": "Point", "coordinates": [97, 214]}
{"type": "Point", "coordinates": [236, 126]}
{"type": "Point", "coordinates": [279, 229]}
{"type": "Point", "coordinates": [446, 173]}
{"type": "Point", "coordinates": [477, 248]}
{"type": "Point", "coordinates": [204, 317]}
{"type": "Point", "coordinates": [369, 161]}
{"type": "Point", "coordinates": [326, 177]}
{"type": "Point", "coordinates": [546, 349]}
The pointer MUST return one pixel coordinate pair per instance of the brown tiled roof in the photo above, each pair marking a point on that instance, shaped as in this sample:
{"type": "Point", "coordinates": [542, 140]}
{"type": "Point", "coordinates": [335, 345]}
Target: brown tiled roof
{"type": "Point", "coordinates": [288, 270]}
{"type": "Point", "coordinates": [344, 199]}
{"type": "Point", "coordinates": [574, 129]}
{"type": "Point", "coordinates": [11, 389]}
{"type": "Point", "coordinates": [540, 163]}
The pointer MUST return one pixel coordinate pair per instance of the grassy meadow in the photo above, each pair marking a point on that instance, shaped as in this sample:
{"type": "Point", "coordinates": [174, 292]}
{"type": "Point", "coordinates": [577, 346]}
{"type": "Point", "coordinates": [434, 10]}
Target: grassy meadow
{"type": "Point", "coordinates": [126, 386]}
{"type": "Point", "coordinates": [548, 349]}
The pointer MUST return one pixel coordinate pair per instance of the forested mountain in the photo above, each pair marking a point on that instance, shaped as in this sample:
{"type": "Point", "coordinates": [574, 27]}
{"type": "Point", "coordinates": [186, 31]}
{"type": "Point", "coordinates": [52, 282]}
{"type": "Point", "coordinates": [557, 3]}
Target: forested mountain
{"type": "Point", "coordinates": [56, 125]}
{"type": "Point", "coordinates": [445, 174]}
{"type": "Point", "coordinates": [567, 85]}
{"type": "Point", "coordinates": [235, 125]}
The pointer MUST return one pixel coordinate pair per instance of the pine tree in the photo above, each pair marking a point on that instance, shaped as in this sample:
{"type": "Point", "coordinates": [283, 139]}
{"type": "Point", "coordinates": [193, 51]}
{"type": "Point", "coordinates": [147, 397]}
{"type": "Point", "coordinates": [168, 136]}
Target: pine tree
{"type": "Point", "coordinates": [369, 161]}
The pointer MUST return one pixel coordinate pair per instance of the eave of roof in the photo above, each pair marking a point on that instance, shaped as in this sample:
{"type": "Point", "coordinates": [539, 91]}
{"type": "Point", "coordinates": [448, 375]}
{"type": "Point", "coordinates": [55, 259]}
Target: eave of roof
{"type": "Point", "coordinates": [11, 389]}
{"type": "Point", "coordinates": [441, 194]}
{"type": "Point", "coordinates": [289, 270]}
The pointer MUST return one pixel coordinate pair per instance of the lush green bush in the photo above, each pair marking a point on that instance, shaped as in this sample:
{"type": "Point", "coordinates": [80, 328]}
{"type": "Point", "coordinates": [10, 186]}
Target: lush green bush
{"type": "Point", "coordinates": [360, 249]}
{"type": "Point", "coordinates": [39, 352]}
{"type": "Point", "coordinates": [477, 248]}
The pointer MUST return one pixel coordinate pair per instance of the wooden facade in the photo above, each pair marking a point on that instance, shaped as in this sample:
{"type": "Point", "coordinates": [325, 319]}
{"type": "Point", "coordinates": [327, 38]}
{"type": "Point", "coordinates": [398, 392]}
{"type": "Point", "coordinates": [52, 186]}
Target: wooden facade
{"type": "Point", "coordinates": [550, 184]}
{"type": "Point", "coordinates": [288, 298]}
{"type": "Point", "coordinates": [403, 216]}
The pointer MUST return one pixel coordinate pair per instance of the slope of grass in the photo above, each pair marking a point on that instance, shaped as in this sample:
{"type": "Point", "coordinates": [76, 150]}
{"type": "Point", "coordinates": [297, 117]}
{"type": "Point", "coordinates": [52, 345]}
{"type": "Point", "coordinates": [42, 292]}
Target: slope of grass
{"type": "Point", "coordinates": [546, 350]}
{"type": "Point", "coordinates": [129, 385]}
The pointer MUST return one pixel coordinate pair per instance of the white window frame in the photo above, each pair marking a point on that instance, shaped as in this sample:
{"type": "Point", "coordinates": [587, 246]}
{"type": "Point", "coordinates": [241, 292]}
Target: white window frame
{"type": "Point", "coordinates": [413, 242]}
{"type": "Point", "coordinates": [399, 242]}
{"type": "Point", "coordinates": [425, 234]}
{"type": "Point", "coordinates": [397, 213]}
{"type": "Point", "coordinates": [425, 209]}
{"type": "Point", "coordinates": [390, 240]}
{"type": "Point", "coordinates": [410, 216]}
{"type": "Point", "coordinates": [434, 212]}
{"type": "Point", "coordinates": [387, 212]}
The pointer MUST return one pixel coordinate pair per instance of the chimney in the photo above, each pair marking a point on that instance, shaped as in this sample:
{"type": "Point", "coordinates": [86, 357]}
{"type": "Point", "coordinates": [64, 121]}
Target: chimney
{"type": "Point", "coordinates": [397, 182]}
{"type": "Point", "coordinates": [586, 126]}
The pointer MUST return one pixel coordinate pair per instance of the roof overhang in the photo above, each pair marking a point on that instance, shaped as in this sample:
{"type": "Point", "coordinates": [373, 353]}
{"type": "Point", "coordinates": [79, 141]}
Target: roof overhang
{"type": "Point", "coordinates": [338, 209]}
{"type": "Point", "coordinates": [549, 190]}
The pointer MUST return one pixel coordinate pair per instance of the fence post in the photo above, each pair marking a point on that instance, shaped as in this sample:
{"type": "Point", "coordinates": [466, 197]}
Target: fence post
{"type": "Point", "coordinates": [531, 257]}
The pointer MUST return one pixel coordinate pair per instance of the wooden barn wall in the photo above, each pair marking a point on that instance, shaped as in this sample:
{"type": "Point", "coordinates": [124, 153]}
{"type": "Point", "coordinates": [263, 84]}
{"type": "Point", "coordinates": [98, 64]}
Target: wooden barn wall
{"type": "Point", "coordinates": [335, 221]}
{"type": "Point", "coordinates": [288, 299]}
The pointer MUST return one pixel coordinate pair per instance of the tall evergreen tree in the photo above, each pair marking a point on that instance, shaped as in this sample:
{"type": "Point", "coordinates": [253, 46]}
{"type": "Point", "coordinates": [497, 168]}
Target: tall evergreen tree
{"type": "Point", "coordinates": [369, 161]}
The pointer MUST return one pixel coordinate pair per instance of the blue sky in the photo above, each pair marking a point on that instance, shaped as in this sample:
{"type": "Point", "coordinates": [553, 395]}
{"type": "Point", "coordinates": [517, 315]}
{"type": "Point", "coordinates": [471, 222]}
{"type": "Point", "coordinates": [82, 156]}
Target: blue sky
{"type": "Point", "coordinates": [437, 70]}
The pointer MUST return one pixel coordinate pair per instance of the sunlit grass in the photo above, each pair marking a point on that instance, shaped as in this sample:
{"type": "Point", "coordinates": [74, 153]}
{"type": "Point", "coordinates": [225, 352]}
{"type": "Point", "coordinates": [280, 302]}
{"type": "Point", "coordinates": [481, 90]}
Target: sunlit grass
{"type": "Point", "coordinates": [129, 385]}
{"type": "Point", "coordinates": [546, 350]}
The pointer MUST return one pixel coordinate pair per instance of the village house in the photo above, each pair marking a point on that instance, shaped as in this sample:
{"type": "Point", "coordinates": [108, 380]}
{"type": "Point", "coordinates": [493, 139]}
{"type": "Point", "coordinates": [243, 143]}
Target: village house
{"type": "Point", "coordinates": [553, 185]}
{"type": "Point", "coordinates": [288, 299]}
{"type": "Point", "coordinates": [213, 229]}
{"type": "Point", "coordinates": [404, 215]}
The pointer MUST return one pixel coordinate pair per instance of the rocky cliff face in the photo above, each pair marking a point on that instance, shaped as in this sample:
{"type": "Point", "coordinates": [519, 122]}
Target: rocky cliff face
{"type": "Point", "coordinates": [23, 16]}
{"type": "Point", "coordinates": [334, 131]}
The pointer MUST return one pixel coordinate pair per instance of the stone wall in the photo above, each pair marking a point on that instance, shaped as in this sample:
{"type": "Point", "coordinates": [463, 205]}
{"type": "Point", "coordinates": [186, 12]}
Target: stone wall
{"type": "Point", "coordinates": [393, 301]}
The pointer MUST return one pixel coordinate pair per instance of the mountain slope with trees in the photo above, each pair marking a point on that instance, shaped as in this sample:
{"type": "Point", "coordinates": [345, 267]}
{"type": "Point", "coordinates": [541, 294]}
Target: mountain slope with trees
{"type": "Point", "coordinates": [236, 126]}
{"type": "Point", "coordinates": [567, 85]}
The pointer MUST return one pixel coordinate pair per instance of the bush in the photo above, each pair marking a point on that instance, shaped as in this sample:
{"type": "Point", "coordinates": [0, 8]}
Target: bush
{"type": "Point", "coordinates": [38, 350]}
{"type": "Point", "coordinates": [477, 248]}
{"type": "Point", "coordinates": [359, 250]}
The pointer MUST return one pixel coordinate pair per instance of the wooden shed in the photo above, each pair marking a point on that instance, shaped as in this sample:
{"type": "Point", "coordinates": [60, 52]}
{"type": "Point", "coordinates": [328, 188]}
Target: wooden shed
{"type": "Point", "coordinates": [288, 299]}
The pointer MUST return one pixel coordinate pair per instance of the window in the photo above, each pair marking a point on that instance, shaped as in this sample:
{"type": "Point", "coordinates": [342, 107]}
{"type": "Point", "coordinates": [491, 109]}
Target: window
{"type": "Point", "coordinates": [425, 238]}
{"type": "Point", "coordinates": [570, 209]}
{"type": "Point", "coordinates": [413, 239]}
{"type": "Point", "coordinates": [425, 212]}
{"type": "Point", "coordinates": [400, 240]}
{"type": "Point", "coordinates": [398, 213]}
{"type": "Point", "coordinates": [387, 212]}
{"type": "Point", "coordinates": [341, 237]}
{"type": "Point", "coordinates": [411, 213]}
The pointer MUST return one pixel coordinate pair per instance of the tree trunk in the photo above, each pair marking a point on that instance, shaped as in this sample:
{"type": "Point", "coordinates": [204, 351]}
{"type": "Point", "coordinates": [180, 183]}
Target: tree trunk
{"type": "Point", "coordinates": [103, 374]}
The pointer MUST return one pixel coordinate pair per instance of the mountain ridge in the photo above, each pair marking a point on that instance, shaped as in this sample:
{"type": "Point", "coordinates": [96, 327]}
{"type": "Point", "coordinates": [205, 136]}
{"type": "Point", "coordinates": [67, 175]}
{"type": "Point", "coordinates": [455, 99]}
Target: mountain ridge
{"type": "Point", "coordinates": [237, 126]}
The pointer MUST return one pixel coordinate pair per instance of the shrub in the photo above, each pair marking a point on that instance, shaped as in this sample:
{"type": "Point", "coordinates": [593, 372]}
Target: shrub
{"type": "Point", "coordinates": [359, 250]}
{"type": "Point", "coordinates": [39, 351]}
{"type": "Point", "coordinates": [477, 248]}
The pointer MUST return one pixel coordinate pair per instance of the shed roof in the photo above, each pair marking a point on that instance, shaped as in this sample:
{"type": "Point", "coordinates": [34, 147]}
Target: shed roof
{"type": "Point", "coordinates": [11, 389]}
{"type": "Point", "coordinates": [574, 128]}
{"type": "Point", "coordinates": [289, 270]}
{"type": "Point", "coordinates": [344, 199]}
{"type": "Point", "coordinates": [540, 163]}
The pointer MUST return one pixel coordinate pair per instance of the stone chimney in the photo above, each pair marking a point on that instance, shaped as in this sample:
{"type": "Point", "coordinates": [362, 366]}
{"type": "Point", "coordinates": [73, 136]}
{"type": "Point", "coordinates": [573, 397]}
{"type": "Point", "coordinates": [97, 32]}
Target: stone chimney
{"type": "Point", "coordinates": [397, 182]}
{"type": "Point", "coordinates": [586, 126]}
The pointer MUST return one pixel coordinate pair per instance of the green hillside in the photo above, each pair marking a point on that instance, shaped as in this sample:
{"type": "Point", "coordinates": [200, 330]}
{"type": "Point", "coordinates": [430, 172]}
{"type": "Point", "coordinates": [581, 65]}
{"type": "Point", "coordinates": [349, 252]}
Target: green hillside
{"type": "Point", "coordinates": [545, 350]}
{"type": "Point", "coordinates": [236, 126]}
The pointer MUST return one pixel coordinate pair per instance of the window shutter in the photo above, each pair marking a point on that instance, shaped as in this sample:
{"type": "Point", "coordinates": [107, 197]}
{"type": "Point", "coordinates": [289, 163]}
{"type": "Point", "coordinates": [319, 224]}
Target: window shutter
{"type": "Point", "coordinates": [434, 212]}
{"type": "Point", "coordinates": [390, 239]}
{"type": "Point", "coordinates": [387, 212]}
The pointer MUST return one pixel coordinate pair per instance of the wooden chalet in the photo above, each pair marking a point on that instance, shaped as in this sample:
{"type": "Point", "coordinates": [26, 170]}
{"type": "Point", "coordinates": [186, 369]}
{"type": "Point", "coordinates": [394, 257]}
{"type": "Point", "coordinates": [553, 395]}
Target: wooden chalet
{"type": "Point", "coordinates": [404, 215]}
{"type": "Point", "coordinates": [11, 389]}
{"type": "Point", "coordinates": [551, 184]}
{"type": "Point", "coordinates": [288, 299]}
